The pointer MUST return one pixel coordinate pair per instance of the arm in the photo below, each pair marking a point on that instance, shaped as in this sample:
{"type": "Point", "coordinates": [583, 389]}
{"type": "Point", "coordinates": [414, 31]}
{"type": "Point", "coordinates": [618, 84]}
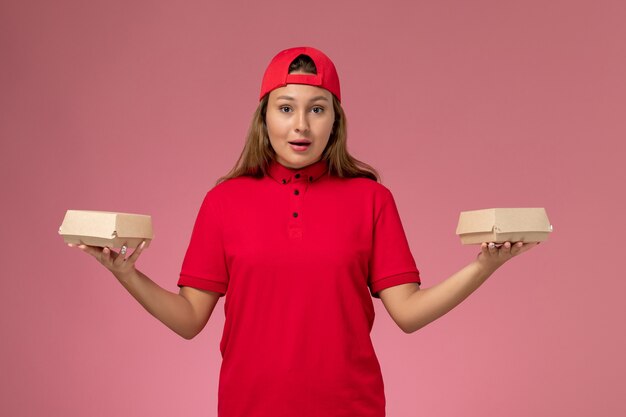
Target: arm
{"type": "Point", "coordinates": [186, 313]}
{"type": "Point", "coordinates": [412, 308]}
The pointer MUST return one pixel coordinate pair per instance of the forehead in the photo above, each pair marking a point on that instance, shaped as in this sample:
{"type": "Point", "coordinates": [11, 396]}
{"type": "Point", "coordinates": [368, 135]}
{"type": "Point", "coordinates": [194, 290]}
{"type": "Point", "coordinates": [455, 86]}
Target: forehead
{"type": "Point", "coordinates": [300, 92]}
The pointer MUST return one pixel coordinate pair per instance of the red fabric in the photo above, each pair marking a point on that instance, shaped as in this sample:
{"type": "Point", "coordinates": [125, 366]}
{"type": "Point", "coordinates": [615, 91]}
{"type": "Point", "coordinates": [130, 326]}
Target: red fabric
{"type": "Point", "coordinates": [277, 72]}
{"type": "Point", "coordinates": [298, 306]}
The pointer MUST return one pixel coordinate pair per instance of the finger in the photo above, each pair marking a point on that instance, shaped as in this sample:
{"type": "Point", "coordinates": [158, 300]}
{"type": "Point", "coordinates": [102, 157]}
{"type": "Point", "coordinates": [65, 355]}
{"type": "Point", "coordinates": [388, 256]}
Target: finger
{"type": "Point", "coordinates": [91, 250]}
{"type": "Point", "coordinates": [120, 257]}
{"type": "Point", "coordinates": [483, 250]}
{"type": "Point", "coordinates": [133, 258]}
{"type": "Point", "coordinates": [527, 246]}
{"type": "Point", "coordinates": [106, 257]}
{"type": "Point", "coordinates": [492, 248]}
{"type": "Point", "coordinates": [516, 248]}
{"type": "Point", "coordinates": [505, 249]}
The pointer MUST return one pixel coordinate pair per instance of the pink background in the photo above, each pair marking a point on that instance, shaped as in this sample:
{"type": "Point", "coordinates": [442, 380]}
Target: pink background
{"type": "Point", "coordinates": [139, 106]}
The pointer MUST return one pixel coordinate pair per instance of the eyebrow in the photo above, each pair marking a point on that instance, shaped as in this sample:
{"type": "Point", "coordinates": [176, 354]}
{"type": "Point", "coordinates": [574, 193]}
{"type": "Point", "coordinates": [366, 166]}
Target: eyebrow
{"type": "Point", "coordinates": [293, 99]}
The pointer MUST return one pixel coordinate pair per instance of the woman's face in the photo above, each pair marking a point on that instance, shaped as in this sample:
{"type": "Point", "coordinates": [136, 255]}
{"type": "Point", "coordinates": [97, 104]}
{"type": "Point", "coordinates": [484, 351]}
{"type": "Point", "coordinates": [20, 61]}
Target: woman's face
{"type": "Point", "coordinates": [299, 121]}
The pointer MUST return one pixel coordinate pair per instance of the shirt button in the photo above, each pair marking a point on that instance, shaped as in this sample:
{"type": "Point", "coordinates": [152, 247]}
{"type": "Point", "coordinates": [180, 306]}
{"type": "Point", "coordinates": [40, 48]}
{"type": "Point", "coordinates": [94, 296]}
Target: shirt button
{"type": "Point", "coordinates": [284, 181]}
{"type": "Point", "coordinates": [297, 176]}
{"type": "Point", "coordinates": [295, 214]}
{"type": "Point", "coordinates": [296, 192]}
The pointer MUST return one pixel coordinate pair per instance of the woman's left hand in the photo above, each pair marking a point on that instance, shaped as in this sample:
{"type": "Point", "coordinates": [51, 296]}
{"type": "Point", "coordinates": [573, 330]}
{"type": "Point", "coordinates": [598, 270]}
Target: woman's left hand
{"type": "Point", "coordinates": [493, 256]}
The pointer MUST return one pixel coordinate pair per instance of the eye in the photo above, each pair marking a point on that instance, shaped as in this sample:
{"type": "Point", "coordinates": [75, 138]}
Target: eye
{"type": "Point", "coordinates": [317, 109]}
{"type": "Point", "coordinates": [284, 109]}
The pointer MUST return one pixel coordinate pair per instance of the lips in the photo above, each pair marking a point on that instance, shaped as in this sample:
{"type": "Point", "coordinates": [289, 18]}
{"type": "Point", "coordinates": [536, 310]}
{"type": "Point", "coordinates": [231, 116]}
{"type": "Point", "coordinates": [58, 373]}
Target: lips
{"type": "Point", "coordinates": [299, 145]}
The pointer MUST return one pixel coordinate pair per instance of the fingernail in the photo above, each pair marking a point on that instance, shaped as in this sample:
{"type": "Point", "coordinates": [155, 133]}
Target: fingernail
{"type": "Point", "coordinates": [142, 244]}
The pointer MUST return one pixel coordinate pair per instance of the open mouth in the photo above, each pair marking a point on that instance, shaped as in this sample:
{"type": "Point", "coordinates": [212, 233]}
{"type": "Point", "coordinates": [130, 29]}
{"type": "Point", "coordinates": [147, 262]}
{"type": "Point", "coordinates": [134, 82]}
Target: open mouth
{"type": "Point", "coordinates": [299, 145]}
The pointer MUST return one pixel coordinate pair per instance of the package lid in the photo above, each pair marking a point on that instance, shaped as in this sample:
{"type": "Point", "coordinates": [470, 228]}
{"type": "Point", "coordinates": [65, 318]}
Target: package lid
{"type": "Point", "coordinates": [106, 224]}
{"type": "Point", "coordinates": [504, 220]}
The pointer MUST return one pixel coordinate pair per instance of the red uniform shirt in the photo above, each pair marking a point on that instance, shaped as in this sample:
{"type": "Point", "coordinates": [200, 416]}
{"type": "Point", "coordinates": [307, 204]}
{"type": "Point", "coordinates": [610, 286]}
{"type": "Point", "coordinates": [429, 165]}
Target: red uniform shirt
{"type": "Point", "coordinates": [298, 254]}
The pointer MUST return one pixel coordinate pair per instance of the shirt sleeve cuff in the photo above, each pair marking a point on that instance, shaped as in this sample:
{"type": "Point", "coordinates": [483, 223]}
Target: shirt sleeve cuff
{"type": "Point", "coordinates": [393, 280]}
{"type": "Point", "coordinates": [201, 284]}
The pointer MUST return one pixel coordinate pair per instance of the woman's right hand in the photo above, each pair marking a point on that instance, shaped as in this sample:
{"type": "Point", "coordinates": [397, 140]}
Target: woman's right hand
{"type": "Point", "coordinates": [116, 262]}
{"type": "Point", "coordinates": [185, 313]}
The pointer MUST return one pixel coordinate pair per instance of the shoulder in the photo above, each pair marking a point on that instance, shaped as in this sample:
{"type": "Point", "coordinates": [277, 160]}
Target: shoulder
{"type": "Point", "coordinates": [231, 190]}
{"type": "Point", "coordinates": [365, 186]}
{"type": "Point", "coordinates": [234, 186]}
{"type": "Point", "coordinates": [367, 195]}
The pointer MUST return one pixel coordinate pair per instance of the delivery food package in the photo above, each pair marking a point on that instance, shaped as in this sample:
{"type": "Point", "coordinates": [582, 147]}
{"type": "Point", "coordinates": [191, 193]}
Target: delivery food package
{"type": "Point", "coordinates": [503, 225]}
{"type": "Point", "coordinates": [105, 228]}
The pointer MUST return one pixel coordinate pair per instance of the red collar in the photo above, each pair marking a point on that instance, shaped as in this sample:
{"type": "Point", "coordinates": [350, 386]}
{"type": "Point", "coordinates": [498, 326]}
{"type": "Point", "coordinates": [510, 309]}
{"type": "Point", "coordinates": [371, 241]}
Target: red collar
{"type": "Point", "coordinates": [309, 173]}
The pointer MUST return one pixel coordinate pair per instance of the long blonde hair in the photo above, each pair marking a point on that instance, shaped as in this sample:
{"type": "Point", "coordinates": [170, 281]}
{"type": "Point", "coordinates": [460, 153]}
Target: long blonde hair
{"type": "Point", "coordinates": [258, 153]}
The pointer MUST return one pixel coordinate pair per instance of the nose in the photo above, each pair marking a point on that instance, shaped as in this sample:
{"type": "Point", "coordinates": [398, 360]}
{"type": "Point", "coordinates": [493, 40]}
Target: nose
{"type": "Point", "coordinates": [301, 122]}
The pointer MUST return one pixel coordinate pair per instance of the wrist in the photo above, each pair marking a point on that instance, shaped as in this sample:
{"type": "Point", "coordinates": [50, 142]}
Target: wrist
{"type": "Point", "coordinates": [485, 268]}
{"type": "Point", "coordinates": [125, 277]}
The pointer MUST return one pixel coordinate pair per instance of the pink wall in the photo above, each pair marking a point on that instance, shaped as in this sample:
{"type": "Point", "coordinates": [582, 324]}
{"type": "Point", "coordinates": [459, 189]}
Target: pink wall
{"type": "Point", "coordinates": [140, 106]}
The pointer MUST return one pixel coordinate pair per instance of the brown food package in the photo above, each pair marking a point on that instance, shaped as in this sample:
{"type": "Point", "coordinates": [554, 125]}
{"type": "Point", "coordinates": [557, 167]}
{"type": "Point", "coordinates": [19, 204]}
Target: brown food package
{"type": "Point", "coordinates": [104, 228]}
{"type": "Point", "coordinates": [503, 225]}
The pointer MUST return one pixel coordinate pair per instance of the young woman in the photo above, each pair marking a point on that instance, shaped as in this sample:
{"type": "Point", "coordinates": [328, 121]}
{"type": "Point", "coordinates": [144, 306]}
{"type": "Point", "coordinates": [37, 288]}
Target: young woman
{"type": "Point", "coordinates": [299, 236]}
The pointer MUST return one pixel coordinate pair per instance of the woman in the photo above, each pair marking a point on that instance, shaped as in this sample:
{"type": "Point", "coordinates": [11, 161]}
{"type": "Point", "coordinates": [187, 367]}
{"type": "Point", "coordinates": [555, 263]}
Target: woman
{"type": "Point", "coordinates": [299, 236]}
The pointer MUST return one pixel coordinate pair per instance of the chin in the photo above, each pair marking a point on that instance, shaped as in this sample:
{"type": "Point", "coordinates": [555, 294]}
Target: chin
{"type": "Point", "coordinates": [294, 165]}
{"type": "Point", "coordinates": [297, 163]}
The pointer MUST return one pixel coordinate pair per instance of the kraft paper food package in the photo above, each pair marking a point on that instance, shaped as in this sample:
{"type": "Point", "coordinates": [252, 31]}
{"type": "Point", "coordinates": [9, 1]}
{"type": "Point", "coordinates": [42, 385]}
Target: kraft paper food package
{"type": "Point", "coordinates": [503, 225]}
{"type": "Point", "coordinates": [104, 228]}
